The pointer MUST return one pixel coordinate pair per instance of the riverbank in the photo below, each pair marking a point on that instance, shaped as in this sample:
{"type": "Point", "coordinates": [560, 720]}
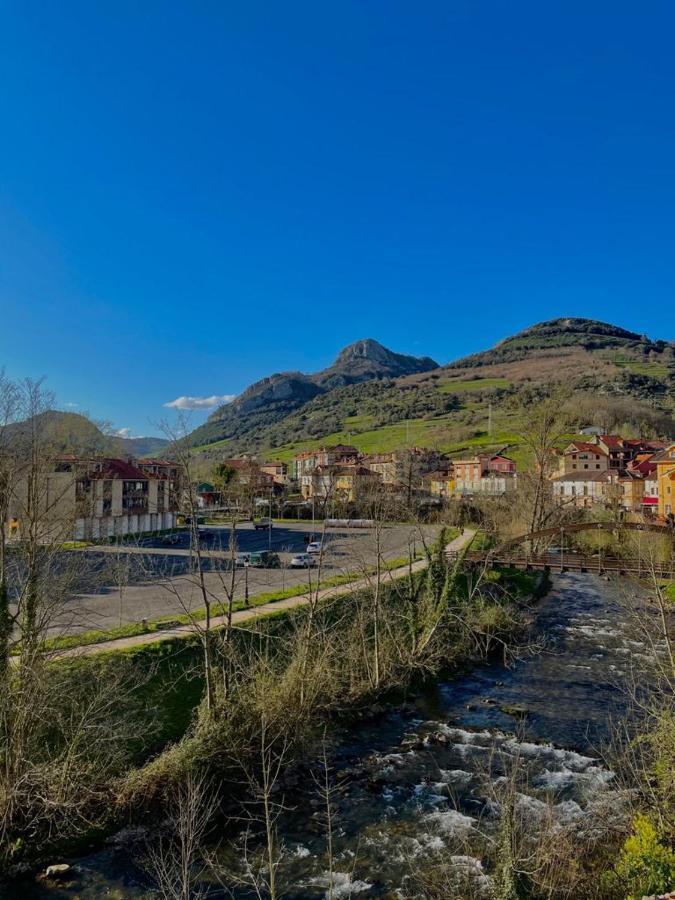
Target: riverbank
{"type": "Point", "coordinates": [421, 789]}
{"type": "Point", "coordinates": [266, 684]}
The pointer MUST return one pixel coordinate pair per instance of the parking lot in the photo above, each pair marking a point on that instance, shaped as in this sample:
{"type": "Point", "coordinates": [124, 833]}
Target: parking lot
{"type": "Point", "coordinates": [154, 577]}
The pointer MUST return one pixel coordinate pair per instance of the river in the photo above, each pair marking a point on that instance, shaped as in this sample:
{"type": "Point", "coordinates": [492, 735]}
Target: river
{"type": "Point", "coordinates": [424, 781]}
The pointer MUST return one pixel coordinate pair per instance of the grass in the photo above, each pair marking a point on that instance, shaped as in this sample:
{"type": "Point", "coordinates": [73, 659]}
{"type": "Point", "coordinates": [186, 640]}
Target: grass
{"type": "Point", "coordinates": [638, 367]}
{"type": "Point", "coordinates": [475, 384]}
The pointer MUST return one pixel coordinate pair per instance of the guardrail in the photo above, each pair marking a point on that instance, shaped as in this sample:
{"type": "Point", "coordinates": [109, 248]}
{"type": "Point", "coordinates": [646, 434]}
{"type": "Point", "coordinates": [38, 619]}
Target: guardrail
{"type": "Point", "coordinates": [575, 562]}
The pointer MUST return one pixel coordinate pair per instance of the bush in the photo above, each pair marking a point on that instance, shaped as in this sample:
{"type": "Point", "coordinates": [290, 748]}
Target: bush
{"type": "Point", "coordinates": [646, 865]}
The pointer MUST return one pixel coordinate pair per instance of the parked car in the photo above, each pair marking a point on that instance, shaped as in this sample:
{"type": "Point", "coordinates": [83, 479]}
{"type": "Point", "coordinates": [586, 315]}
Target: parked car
{"type": "Point", "coordinates": [302, 561]}
{"type": "Point", "coordinates": [263, 524]}
{"type": "Point", "coordinates": [314, 547]}
{"type": "Point", "coordinates": [242, 559]}
{"type": "Point", "coordinates": [266, 559]}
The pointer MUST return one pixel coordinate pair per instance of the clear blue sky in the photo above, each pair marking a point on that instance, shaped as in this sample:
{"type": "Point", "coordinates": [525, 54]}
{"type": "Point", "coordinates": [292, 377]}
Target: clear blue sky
{"type": "Point", "coordinates": [193, 195]}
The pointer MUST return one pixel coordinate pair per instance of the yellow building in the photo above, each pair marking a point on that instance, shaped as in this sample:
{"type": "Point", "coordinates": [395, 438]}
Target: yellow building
{"type": "Point", "coordinates": [441, 484]}
{"type": "Point", "coordinates": [665, 478]}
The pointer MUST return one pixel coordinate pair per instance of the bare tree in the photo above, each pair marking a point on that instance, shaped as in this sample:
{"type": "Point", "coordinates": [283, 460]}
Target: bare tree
{"type": "Point", "coordinates": [542, 421]}
{"type": "Point", "coordinates": [178, 859]}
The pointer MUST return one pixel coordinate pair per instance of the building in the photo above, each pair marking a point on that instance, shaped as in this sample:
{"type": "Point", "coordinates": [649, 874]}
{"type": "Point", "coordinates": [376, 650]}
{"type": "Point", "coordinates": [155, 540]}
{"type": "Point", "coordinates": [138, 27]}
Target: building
{"type": "Point", "coordinates": [502, 465]}
{"type": "Point", "coordinates": [586, 488]}
{"type": "Point", "coordinates": [92, 498]}
{"type": "Point", "coordinates": [406, 468]}
{"type": "Point", "coordinates": [343, 454]}
{"type": "Point", "coordinates": [384, 465]}
{"type": "Point", "coordinates": [440, 483]}
{"type": "Point", "coordinates": [621, 451]}
{"type": "Point", "coordinates": [471, 469]}
{"type": "Point", "coordinates": [490, 484]}
{"type": "Point", "coordinates": [277, 470]}
{"type": "Point", "coordinates": [248, 472]}
{"type": "Point", "coordinates": [583, 456]}
{"type": "Point", "coordinates": [664, 462]}
{"type": "Point", "coordinates": [303, 464]}
{"type": "Point", "coordinates": [339, 482]}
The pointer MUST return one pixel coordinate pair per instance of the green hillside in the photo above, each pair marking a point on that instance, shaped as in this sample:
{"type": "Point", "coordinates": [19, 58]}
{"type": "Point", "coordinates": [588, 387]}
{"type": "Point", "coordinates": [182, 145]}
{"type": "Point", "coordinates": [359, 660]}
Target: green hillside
{"type": "Point", "coordinates": [622, 381]}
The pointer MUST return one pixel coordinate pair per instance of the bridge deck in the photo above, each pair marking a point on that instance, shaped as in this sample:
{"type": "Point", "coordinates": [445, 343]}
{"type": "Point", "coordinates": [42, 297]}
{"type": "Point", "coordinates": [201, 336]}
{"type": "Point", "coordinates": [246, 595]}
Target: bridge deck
{"type": "Point", "coordinates": [575, 562]}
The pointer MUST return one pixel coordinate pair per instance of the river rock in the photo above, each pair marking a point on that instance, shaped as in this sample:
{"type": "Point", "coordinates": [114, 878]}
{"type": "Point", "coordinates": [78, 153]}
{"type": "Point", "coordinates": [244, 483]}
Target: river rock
{"type": "Point", "coordinates": [59, 871]}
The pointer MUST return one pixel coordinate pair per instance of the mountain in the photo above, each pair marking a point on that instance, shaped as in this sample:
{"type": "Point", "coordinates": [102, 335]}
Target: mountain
{"type": "Point", "coordinates": [141, 446]}
{"type": "Point", "coordinates": [378, 400]}
{"type": "Point", "coordinates": [274, 398]}
{"type": "Point", "coordinates": [367, 359]}
{"type": "Point", "coordinates": [70, 432]}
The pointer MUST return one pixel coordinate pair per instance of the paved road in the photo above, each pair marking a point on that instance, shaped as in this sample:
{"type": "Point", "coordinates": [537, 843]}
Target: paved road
{"type": "Point", "coordinates": [244, 615]}
{"type": "Point", "coordinates": [158, 584]}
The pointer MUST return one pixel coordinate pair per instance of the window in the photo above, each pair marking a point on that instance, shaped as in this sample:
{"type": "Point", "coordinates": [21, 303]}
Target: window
{"type": "Point", "coordinates": [597, 465]}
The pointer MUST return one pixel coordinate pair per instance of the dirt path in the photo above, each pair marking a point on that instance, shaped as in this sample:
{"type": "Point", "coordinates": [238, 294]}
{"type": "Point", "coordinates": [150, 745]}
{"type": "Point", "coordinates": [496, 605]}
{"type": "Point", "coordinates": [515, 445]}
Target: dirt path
{"type": "Point", "coordinates": [244, 615]}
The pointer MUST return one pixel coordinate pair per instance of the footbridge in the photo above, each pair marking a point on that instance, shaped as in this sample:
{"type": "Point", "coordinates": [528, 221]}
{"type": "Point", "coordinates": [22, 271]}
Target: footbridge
{"type": "Point", "coordinates": [533, 551]}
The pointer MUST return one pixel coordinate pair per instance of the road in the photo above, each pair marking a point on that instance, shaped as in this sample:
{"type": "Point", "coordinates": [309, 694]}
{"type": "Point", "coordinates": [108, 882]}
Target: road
{"type": "Point", "coordinates": [244, 615]}
{"type": "Point", "coordinates": [156, 580]}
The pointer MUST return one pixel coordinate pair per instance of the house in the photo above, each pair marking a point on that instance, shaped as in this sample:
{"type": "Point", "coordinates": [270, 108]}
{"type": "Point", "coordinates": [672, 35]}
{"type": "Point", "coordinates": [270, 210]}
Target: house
{"type": "Point", "coordinates": [665, 478]}
{"type": "Point", "coordinates": [340, 482]}
{"type": "Point", "coordinates": [344, 454]}
{"type": "Point", "coordinates": [583, 456]}
{"type": "Point", "coordinates": [440, 483]}
{"type": "Point", "coordinates": [621, 451]}
{"type": "Point", "coordinates": [471, 469]}
{"type": "Point", "coordinates": [207, 495]}
{"type": "Point", "coordinates": [303, 464]}
{"type": "Point", "coordinates": [247, 471]}
{"type": "Point", "coordinates": [502, 465]}
{"type": "Point", "coordinates": [384, 465]}
{"type": "Point", "coordinates": [277, 470]}
{"type": "Point", "coordinates": [642, 467]}
{"type": "Point", "coordinates": [586, 488]}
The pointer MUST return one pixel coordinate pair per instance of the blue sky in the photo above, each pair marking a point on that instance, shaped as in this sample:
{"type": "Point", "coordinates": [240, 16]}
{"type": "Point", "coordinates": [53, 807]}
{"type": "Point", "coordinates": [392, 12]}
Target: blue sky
{"type": "Point", "coordinates": [194, 195]}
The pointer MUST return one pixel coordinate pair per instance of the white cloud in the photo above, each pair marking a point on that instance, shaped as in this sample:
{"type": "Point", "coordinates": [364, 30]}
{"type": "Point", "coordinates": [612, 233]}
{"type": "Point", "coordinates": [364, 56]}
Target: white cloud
{"type": "Point", "coordinates": [124, 433]}
{"type": "Point", "coordinates": [200, 402]}
{"type": "Point", "coordinates": [71, 405]}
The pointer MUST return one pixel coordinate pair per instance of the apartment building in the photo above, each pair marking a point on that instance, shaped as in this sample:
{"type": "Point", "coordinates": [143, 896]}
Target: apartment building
{"type": "Point", "coordinates": [101, 497]}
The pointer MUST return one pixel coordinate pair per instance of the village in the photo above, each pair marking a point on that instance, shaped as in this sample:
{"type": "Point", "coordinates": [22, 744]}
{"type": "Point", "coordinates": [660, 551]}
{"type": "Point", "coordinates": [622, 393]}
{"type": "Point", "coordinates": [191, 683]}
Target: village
{"type": "Point", "coordinates": [109, 498]}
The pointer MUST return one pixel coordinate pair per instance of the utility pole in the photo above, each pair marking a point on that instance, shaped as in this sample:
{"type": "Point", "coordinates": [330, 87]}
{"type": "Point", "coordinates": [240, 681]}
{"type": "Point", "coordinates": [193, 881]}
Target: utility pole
{"type": "Point", "coordinates": [490, 419]}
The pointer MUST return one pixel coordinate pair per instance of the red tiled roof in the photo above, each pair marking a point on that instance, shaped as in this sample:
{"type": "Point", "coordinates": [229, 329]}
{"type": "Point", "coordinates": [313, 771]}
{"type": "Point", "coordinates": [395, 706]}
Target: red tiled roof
{"type": "Point", "coordinates": [118, 469]}
{"type": "Point", "coordinates": [586, 447]}
{"type": "Point", "coordinates": [614, 441]}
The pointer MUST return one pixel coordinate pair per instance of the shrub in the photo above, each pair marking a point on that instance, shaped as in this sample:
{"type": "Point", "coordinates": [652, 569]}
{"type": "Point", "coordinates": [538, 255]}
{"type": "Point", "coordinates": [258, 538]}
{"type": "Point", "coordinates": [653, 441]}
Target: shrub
{"type": "Point", "coordinates": [646, 865]}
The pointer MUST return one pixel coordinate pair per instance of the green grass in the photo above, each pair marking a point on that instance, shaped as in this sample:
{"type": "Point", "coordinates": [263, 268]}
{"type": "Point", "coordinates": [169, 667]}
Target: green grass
{"type": "Point", "coordinates": [476, 384]}
{"type": "Point", "coordinates": [638, 367]}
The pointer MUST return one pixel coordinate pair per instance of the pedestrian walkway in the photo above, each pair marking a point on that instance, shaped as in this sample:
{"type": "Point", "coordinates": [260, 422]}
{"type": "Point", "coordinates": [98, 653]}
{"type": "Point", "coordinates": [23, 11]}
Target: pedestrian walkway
{"type": "Point", "coordinates": [245, 615]}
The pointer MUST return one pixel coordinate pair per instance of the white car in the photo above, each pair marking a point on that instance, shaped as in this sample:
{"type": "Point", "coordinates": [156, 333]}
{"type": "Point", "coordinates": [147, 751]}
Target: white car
{"type": "Point", "coordinates": [314, 547]}
{"type": "Point", "coordinates": [302, 561]}
{"type": "Point", "coordinates": [242, 560]}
